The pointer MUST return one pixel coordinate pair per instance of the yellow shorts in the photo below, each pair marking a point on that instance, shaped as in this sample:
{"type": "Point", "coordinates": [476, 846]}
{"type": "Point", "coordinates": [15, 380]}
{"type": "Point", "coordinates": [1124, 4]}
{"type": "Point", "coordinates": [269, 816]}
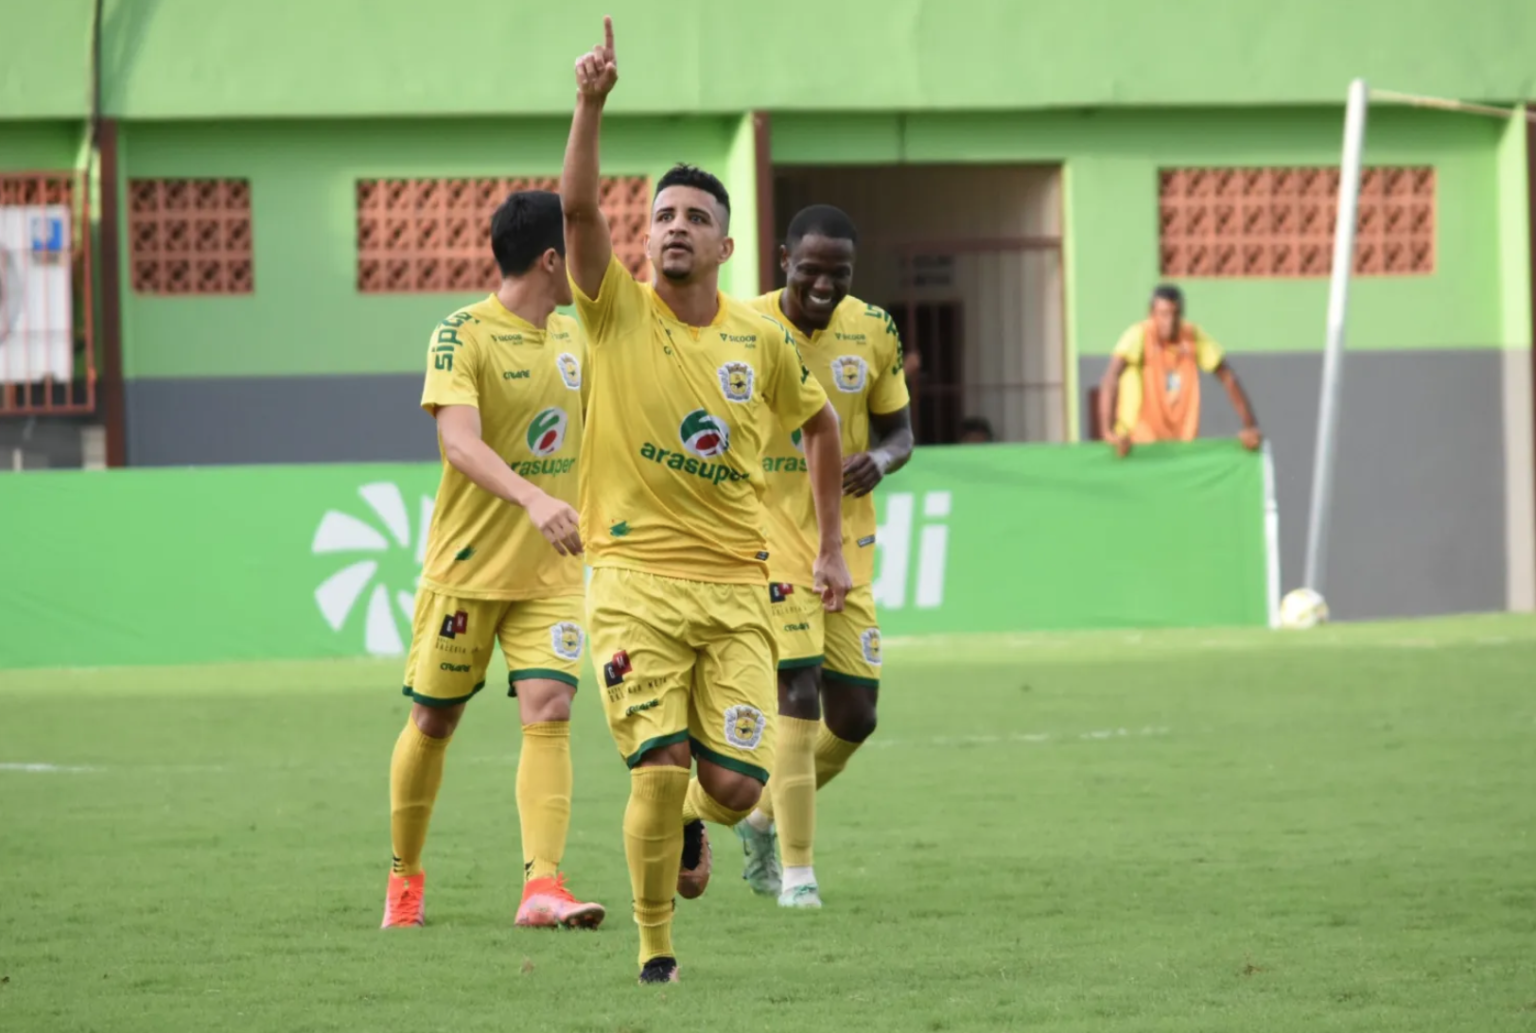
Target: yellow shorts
{"type": "Point", "coordinates": [846, 645]}
{"type": "Point", "coordinates": [685, 661]}
{"type": "Point", "coordinates": [452, 638]}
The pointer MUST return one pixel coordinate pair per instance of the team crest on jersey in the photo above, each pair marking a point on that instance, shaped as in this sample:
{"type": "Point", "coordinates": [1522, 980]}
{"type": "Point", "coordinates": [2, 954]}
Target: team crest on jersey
{"type": "Point", "coordinates": [704, 435]}
{"type": "Point", "coordinates": [797, 438]}
{"type": "Point", "coordinates": [744, 727]}
{"type": "Point", "coordinates": [570, 370]}
{"type": "Point", "coordinates": [850, 372]}
{"type": "Point", "coordinates": [567, 639]}
{"type": "Point", "coordinates": [870, 643]}
{"type": "Point", "coordinates": [736, 380]}
{"type": "Point", "coordinates": [546, 432]}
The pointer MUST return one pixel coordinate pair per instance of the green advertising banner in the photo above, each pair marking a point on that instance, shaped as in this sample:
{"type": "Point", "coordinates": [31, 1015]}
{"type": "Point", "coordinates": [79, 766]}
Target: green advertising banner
{"type": "Point", "coordinates": [166, 566]}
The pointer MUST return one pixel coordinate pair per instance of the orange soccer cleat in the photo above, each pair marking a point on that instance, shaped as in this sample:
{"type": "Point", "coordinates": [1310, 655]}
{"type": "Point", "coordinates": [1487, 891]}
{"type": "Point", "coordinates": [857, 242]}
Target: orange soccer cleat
{"type": "Point", "coordinates": [403, 900]}
{"type": "Point", "coordinates": [547, 904]}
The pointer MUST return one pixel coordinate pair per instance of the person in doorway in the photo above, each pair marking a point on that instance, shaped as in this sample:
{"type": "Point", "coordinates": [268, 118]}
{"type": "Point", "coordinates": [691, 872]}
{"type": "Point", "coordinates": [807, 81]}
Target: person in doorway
{"type": "Point", "coordinates": [1151, 390]}
{"type": "Point", "coordinates": [976, 430]}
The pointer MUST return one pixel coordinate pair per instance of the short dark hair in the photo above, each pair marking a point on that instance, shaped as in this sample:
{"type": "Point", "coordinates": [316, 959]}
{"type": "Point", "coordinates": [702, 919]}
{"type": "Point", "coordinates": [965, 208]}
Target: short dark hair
{"type": "Point", "coordinates": [682, 175]}
{"type": "Point", "coordinates": [975, 423]}
{"type": "Point", "coordinates": [528, 223]}
{"type": "Point", "coordinates": [1168, 292]}
{"type": "Point", "coordinates": [821, 220]}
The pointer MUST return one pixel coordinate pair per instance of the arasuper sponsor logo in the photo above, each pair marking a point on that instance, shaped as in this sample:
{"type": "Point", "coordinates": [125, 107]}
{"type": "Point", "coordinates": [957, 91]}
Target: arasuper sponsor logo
{"type": "Point", "coordinates": [788, 464]}
{"type": "Point", "coordinates": [705, 436]}
{"type": "Point", "coordinates": [546, 436]}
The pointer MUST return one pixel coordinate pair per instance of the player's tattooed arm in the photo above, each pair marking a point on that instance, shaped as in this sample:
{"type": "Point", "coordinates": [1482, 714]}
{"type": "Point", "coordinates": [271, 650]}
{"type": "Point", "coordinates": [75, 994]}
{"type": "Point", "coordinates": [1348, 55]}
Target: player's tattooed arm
{"type": "Point", "coordinates": [467, 451]}
{"type": "Point", "coordinates": [892, 447]}
{"type": "Point", "coordinates": [589, 248]}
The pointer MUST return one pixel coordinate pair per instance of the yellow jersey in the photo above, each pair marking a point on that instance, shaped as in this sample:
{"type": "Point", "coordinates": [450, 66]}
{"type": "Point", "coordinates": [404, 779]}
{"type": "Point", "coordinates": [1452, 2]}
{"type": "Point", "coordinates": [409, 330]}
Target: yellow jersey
{"type": "Point", "coordinates": [1131, 347]}
{"type": "Point", "coordinates": [672, 471]}
{"type": "Point", "coordinates": [529, 385]}
{"type": "Point", "coordinates": [858, 361]}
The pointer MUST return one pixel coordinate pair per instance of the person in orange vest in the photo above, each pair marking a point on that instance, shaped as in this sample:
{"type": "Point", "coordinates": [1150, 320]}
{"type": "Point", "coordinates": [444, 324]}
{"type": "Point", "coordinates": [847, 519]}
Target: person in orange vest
{"type": "Point", "coordinates": [1151, 390]}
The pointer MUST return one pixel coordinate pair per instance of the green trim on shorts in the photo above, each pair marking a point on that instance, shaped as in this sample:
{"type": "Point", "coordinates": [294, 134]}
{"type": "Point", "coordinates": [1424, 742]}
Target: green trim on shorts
{"type": "Point", "coordinates": [529, 673]}
{"type": "Point", "coordinates": [803, 662]}
{"type": "Point", "coordinates": [851, 679]}
{"type": "Point", "coordinates": [741, 767]}
{"type": "Point", "coordinates": [634, 759]}
{"type": "Point", "coordinates": [433, 701]}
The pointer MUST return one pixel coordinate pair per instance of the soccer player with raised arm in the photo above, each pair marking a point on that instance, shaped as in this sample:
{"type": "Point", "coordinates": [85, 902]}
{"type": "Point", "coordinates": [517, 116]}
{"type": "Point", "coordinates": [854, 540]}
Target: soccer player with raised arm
{"type": "Point", "coordinates": [829, 663]}
{"type": "Point", "coordinates": [683, 383]}
{"type": "Point", "coordinates": [506, 382]}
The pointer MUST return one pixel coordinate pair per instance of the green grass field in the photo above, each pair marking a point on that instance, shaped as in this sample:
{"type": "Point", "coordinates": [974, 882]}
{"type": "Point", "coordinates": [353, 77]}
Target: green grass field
{"type": "Point", "coordinates": [1180, 832]}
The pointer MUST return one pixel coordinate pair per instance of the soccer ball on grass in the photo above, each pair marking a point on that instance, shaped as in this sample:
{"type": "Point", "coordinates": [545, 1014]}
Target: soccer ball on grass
{"type": "Point", "coordinates": [1303, 608]}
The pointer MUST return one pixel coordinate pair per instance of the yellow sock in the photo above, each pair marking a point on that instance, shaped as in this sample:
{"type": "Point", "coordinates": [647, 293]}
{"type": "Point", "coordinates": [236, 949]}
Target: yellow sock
{"type": "Point", "coordinates": [793, 789]}
{"type": "Point", "coordinates": [832, 756]}
{"type": "Point", "coordinates": [699, 804]}
{"type": "Point", "coordinates": [653, 848]}
{"type": "Point", "coordinates": [415, 773]}
{"type": "Point", "coordinates": [544, 796]}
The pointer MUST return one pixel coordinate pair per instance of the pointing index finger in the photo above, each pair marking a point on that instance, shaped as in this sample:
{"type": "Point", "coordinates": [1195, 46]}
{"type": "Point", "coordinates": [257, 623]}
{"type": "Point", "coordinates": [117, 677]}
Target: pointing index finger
{"type": "Point", "coordinates": [608, 34]}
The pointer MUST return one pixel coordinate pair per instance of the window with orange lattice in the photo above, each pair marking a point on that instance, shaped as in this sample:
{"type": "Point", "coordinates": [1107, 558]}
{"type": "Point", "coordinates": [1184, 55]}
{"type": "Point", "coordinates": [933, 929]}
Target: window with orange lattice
{"type": "Point", "coordinates": [416, 235]}
{"type": "Point", "coordinates": [190, 236]}
{"type": "Point", "coordinates": [1279, 222]}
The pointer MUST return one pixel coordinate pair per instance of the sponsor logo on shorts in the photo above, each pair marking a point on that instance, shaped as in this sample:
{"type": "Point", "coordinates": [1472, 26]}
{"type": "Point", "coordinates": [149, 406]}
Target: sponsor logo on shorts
{"type": "Point", "coordinates": [850, 372]}
{"type": "Point", "coordinates": [866, 541]}
{"type": "Point", "coordinates": [777, 593]}
{"type": "Point", "coordinates": [649, 704]}
{"type": "Point", "coordinates": [615, 670]}
{"type": "Point", "coordinates": [454, 625]}
{"type": "Point", "coordinates": [454, 668]}
{"type": "Point", "coordinates": [570, 370]}
{"type": "Point", "coordinates": [464, 554]}
{"type": "Point", "coordinates": [736, 381]}
{"type": "Point", "coordinates": [744, 727]}
{"type": "Point", "coordinates": [566, 639]}
{"type": "Point", "coordinates": [763, 555]}
{"type": "Point", "coordinates": [546, 433]}
{"type": "Point", "coordinates": [869, 641]}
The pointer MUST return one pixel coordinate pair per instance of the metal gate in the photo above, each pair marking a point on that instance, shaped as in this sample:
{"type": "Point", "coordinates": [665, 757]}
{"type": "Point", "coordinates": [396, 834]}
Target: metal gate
{"type": "Point", "coordinates": [985, 321]}
{"type": "Point", "coordinates": [47, 352]}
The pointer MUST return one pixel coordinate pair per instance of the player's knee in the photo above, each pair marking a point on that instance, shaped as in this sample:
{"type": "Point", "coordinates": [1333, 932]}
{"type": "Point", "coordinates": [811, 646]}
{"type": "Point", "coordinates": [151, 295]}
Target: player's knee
{"type": "Point", "coordinates": [676, 755]}
{"type": "Point", "coordinates": [437, 722]}
{"type": "Point", "coordinates": [799, 695]}
{"type": "Point", "coordinates": [544, 700]}
{"type": "Point", "coordinates": [853, 723]}
{"type": "Point", "coordinates": [730, 789]}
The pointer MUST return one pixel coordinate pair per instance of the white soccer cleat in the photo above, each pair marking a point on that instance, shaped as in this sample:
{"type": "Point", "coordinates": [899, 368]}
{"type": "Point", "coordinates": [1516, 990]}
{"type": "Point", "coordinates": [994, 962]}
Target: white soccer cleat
{"type": "Point", "coordinates": [803, 896]}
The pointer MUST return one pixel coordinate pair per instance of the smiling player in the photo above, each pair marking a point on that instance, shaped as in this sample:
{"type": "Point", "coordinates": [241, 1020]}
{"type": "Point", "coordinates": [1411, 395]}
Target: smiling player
{"type": "Point", "coordinates": [829, 663]}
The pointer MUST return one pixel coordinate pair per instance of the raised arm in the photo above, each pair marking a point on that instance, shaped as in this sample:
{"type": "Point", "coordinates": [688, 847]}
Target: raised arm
{"type": "Point", "coordinates": [588, 246]}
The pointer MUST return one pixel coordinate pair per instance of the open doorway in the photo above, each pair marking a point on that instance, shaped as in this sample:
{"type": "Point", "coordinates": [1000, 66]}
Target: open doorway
{"type": "Point", "coordinates": [967, 259]}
